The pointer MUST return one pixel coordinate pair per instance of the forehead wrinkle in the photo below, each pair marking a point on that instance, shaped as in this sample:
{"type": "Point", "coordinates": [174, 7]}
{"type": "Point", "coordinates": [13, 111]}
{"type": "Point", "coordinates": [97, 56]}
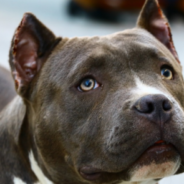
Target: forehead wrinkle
{"type": "Point", "coordinates": [83, 66]}
{"type": "Point", "coordinates": [154, 51]}
{"type": "Point", "coordinates": [142, 50]}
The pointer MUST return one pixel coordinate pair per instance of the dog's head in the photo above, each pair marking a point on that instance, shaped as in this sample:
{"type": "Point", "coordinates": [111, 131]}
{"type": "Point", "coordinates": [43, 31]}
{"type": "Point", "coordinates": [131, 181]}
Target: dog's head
{"type": "Point", "coordinates": [102, 109]}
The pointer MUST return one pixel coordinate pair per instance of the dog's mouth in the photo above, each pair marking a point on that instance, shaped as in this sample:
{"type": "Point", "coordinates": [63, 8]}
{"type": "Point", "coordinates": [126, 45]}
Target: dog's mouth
{"type": "Point", "coordinates": [159, 153]}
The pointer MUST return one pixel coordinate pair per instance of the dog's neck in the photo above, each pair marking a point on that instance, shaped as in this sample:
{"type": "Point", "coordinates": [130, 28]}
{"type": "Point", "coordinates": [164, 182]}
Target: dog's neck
{"type": "Point", "coordinates": [14, 153]}
{"type": "Point", "coordinates": [21, 138]}
{"type": "Point", "coordinates": [16, 135]}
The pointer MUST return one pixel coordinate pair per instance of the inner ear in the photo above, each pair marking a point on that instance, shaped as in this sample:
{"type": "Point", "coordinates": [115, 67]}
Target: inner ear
{"type": "Point", "coordinates": [153, 20]}
{"type": "Point", "coordinates": [31, 45]}
{"type": "Point", "coordinates": [25, 52]}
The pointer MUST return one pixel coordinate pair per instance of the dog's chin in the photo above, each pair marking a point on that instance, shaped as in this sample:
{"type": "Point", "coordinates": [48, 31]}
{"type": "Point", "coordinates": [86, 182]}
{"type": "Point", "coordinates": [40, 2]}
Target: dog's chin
{"type": "Point", "coordinates": [158, 161]}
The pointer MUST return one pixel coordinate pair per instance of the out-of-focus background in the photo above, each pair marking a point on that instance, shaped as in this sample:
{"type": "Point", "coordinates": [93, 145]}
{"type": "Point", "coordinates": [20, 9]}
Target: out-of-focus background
{"type": "Point", "coordinates": [71, 18]}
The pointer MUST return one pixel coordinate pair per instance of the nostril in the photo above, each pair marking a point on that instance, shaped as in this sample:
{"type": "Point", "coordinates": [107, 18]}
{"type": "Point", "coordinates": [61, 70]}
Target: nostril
{"type": "Point", "coordinates": [150, 107]}
{"type": "Point", "coordinates": [144, 106]}
{"type": "Point", "coordinates": [166, 105]}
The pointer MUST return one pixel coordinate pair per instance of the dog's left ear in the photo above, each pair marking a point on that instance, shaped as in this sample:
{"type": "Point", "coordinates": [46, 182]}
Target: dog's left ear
{"type": "Point", "coordinates": [153, 20]}
{"type": "Point", "coordinates": [31, 45]}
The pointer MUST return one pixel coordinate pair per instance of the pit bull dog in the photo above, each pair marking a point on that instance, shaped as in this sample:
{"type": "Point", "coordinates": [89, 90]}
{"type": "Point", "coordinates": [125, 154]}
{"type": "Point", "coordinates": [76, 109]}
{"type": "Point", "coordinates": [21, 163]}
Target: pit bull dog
{"type": "Point", "coordinates": [7, 91]}
{"type": "Point", "coordinates": [94, 109]}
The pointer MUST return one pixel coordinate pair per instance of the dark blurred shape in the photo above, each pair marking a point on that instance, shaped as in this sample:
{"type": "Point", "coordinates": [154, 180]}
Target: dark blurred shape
{"type": "Point", "coordinates": [175, 8]}
{"type": "Point", "coordinates": [74, 8]}
{"type": "Point", "coordinates": [111, 9]}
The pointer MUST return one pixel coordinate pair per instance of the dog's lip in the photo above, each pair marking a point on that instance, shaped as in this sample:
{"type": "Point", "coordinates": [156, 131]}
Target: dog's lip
{"type": "Point", "coordinates": [160, 151]}
{"type": "Point", "coordinates": [160, 142]}
{"type": "Point", "coordinates": [161, 146]}
{"type": "Point", "coordinates": [163, 143]}
{"type": "Point", "coordinates": [90, 173]}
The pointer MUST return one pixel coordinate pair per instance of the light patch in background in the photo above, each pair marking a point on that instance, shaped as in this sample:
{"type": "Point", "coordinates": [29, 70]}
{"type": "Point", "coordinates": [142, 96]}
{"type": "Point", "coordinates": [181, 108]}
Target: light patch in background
{"type": "Point", "coordinates": [178, 179]}
{"type": "Point", "coordinates": [53, 14]}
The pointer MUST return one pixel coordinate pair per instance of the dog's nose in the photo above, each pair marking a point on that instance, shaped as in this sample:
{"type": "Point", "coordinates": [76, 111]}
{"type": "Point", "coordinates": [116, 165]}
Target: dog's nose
{"type": "Point", "coordinates": [156, 108]}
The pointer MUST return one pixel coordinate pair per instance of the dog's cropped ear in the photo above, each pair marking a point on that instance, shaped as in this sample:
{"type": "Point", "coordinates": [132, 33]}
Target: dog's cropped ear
{"type": "Point", "coordinates": [31, 45]}
{"type": "Point", "coordinates": [153, 20]}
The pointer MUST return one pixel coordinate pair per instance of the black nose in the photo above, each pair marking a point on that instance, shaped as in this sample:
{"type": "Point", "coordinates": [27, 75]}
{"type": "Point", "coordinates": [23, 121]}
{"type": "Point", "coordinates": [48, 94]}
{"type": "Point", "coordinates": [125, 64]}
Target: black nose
{"type": "Point", "coordinates": [156, 108]}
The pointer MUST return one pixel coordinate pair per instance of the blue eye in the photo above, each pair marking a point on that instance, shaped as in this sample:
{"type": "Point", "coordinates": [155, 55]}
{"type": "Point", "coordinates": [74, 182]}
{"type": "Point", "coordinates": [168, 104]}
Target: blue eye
{"type": "Point", "coordinates": [167, 73]}
{"type": "Point", "coordinates": [88, 84]}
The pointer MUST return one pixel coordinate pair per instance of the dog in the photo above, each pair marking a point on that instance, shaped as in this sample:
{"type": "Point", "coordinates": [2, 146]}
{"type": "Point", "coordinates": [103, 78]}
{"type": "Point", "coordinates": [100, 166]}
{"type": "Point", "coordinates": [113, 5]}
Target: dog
{"type": "Point", "coordinates": [94, 109]}
{"type": "Point", "coordinates": [7, 92]}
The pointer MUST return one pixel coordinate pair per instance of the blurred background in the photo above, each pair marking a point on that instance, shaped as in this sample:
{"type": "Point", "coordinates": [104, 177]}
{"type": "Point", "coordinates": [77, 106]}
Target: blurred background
{"type": "Point", "coordinates": [70, 18]}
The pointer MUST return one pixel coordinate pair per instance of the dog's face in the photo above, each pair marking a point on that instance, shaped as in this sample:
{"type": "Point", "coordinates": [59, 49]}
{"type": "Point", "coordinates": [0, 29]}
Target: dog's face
{"type": "Point", "coordinates": [104, 109]}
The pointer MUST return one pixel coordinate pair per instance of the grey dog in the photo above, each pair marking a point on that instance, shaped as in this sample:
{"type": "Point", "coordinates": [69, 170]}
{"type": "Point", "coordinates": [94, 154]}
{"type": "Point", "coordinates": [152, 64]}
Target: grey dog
{"type": "Point", "coordinates": [99, 110]}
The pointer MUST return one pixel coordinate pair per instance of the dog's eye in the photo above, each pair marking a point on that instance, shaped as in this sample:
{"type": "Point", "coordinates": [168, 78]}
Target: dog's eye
{"type": "Point", "coordinates": [88, 84]}
{"type": "Point", "coordinates": [167, 73]}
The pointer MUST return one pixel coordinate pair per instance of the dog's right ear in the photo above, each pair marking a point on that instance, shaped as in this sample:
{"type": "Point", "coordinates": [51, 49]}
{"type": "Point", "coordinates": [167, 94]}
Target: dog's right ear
{"type": "Point", "coordinates": [31, 45]}
{"type": "Point", "coordinates": [154, 21]}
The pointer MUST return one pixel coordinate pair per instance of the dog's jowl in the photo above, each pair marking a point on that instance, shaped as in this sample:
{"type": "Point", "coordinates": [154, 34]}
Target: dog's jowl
{"type": "Point", "coordinates": [94, 109]}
